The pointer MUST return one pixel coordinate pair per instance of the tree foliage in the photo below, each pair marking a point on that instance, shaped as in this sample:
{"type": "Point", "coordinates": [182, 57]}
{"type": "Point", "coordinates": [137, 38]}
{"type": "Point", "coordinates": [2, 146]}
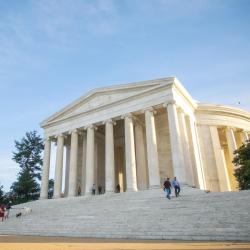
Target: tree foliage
{"type": "Point", "coordinates": [242, 160]}
{"type": "Point", "coordinates": [28, 153]}
{"type": "Point", "coordinates": [1, 193]}
{"type": "Point", "coordinates": [28, 156]}
{"type": "Point", "coordinates": [26, 186]}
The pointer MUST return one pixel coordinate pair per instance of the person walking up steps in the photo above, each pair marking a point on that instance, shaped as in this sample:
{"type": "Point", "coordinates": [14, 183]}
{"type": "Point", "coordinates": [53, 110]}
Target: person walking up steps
{"type": "Point", "coordinates": [167, 188]}
{"type": "Point", "coordinates": [176, 186]}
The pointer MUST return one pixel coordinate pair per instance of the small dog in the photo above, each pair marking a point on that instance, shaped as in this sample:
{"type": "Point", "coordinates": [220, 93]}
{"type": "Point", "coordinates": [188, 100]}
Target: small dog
{"type": "Point", "coordinates": [18, 214]}
{"type": "Point", "coordinates": [27, 210]}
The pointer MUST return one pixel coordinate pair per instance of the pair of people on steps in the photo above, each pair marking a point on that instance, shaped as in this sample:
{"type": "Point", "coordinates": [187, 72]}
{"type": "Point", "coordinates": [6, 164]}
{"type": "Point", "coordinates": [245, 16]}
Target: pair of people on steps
{"type": "Point", "coordinates": [167, 187]}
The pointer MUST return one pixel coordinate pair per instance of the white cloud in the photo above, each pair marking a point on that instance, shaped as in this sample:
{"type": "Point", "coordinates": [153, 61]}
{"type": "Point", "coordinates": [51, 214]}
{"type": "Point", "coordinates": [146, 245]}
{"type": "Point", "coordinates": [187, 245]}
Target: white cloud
{"type": "Point", "coordinates": [52, 24]}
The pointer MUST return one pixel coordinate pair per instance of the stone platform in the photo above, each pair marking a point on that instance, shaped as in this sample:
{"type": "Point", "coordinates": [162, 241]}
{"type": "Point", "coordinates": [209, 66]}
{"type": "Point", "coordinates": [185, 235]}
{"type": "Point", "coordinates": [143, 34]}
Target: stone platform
{"type": "Point", "coordinates": [195, 215]}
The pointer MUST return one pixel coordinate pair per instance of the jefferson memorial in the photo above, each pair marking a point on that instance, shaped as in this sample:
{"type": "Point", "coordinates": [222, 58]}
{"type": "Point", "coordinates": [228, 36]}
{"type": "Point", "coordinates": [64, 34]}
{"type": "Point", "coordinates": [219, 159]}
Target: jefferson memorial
{"type": "Point", "coordinates": [136, 135]}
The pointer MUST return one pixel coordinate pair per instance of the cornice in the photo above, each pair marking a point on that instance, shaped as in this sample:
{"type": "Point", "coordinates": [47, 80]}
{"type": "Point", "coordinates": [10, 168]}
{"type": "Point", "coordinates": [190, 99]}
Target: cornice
{"type": "Point", "coordinates": [216, 109]}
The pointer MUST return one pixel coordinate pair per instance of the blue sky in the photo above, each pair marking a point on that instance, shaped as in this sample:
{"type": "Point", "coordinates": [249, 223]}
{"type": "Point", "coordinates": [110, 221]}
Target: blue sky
{"type": "Point", "coordinates": [53, 51]}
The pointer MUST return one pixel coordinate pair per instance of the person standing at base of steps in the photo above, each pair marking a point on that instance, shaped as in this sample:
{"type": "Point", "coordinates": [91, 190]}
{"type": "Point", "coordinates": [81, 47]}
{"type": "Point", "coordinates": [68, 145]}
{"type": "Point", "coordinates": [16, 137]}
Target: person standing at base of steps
{"type": "Point", "coordinates": [167, 188]}
{"type": "Point", "coordinates": [99, 189]}
{"type": "Point", "coordinates": [2, 211]}
{"type": "Point", "coordinates": [176, 186]}
{"type": "Point", "coordinates": [93, 189]}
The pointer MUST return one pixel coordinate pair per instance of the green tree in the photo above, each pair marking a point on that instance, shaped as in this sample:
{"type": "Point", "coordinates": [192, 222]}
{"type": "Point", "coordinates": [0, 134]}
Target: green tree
{"type": "Point", "coordinates": [242, 160]}
{"type": "Point", "coordinates": [25, 187]}
{"type": "Point", "coordinates": [28, 153]}
{"type": "Point", "coordinates": [1, 194]}
{"type": "Point", "coordinates": [28, 156]}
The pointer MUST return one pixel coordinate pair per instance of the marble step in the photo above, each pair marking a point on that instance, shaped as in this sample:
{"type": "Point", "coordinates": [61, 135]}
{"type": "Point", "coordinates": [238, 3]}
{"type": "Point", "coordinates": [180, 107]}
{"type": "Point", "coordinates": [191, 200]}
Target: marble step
{"type": "Point", "coordinates": [140, 215]}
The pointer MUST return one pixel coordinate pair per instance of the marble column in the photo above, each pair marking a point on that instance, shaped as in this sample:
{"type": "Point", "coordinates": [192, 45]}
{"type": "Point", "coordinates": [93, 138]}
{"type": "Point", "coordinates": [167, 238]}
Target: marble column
{"type": "Point", "coordinates": [59, 167]}
{"type": "Point", "coordinates": [238, 135]}
{"type": "Point", "coordinates": [90, 159]}
{"type": "Point", "coordinates": [141, 157]}
{"type": "Point", "coordinates": [224, 181]}
{"type": "Point", "coordinates": [66, 185]}
{"type": "Point", "coordinates": [175, 141]}
{"type": "Point", "coordinates": [73, 164]}
{"type": "Point", "coordinates": [130, 154]}
{"type": "Point", "coordinates": [245, 136]}
{"type": "Point", "coordinates": [232, 146]}
{"type": "Point", "coordinates": [186, 149]}
{"type": "Point", "coordinates": [109, 157]}
{"type": "Point", "coordinates": [197, 154]}
{"type": "Point", "coordinates": [46, 167]}
{"type": "Point", "coordinates": [152, 153]}
{"type": "Point", "coordinates": [84, 149]}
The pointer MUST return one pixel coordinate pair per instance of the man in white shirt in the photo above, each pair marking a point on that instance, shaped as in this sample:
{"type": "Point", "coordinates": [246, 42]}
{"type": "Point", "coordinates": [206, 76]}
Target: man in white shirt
{"type": "Point", "coordinates": [176, 186]}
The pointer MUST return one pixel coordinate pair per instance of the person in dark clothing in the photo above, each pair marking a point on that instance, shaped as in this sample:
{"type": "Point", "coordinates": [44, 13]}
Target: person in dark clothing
{"type": "Point", "coordinates": [118, 188]}
{"type": "Point", "coordinates": [167, 188]}
{"type": "Point", "coordinates": [93, 189]}
{"type": "Point", "coordinates": [99, 189]}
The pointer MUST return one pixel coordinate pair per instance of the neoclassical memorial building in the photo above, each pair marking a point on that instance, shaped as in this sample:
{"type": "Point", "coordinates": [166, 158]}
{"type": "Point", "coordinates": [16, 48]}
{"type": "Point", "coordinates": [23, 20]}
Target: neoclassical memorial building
{"type": "Point", "coordinates": [136, 135]}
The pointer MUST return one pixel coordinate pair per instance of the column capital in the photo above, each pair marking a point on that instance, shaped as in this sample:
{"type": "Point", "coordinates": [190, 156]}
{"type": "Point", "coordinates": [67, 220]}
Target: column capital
{"type": "Point", "coordinates": [60, 135]}
{"type": "Point", "coordinates": [110, 121]}
{"type": "Point", "coordinates": [91, 126]}
{"type": "Point", "coordinates": [149, 109]}
{"type": "Point", "coordinates": [47, 139]}
{"type": "Point", "coordinates": [128, 115]}
{"type": "Point", "coordinates": [165, 104]}
{"type": "Point", "coordinates": [73, 131]}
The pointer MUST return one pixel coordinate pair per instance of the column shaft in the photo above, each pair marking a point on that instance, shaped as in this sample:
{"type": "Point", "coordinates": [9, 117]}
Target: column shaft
{"type": "Point", "coordinates": [245, 136]}
{"type": "Point", "coordinates": [109, 158]}
{"type": "Point", "coordinates": [152, 153]}
{"type": "Point", "coordinates": [186, 150]}
{"type": "Point", "coordinates": [59, 167]}
{"type": "Point", "coordinates": [175, 141]}
{"type": "Point", "coordinates": [66, 187]}
{"type": "Point", "coordinates": [46, 167]}
{"type": "Point", "coordinates": [232, 146]}
{"type": "Point", "coordinates": [197, 155]}
{"type": "Point", "coordinates": [73, 164]}
{"type": "Point", "coordinates": [90, 161]}
{"type": "Point", "coordinates": [141, 158]}
{"type": "Point", "coordinates": [224, 181]}
{"type": "Point", "coordinates": [130, 155]}
{"type": "Point", "coordinates": [84, 149]}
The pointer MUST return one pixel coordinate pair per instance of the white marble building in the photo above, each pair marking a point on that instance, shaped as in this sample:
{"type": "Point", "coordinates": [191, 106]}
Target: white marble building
{"type": "Point", "coordinates": [137, 134]}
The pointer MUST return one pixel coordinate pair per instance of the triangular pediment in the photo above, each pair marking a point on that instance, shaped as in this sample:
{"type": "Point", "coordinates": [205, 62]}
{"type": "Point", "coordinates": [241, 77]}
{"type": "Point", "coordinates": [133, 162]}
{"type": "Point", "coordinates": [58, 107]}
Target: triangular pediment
{"type": "Point", "coordinates": [104, 96]}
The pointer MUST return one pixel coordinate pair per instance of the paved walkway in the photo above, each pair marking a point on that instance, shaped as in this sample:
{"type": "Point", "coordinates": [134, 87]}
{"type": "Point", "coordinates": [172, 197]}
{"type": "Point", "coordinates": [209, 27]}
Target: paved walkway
{"type": "Point", "coordinates": [65, 243]}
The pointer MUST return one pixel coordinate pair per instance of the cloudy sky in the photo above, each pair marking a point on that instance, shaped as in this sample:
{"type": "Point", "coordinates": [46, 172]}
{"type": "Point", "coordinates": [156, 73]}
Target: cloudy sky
{"type": "Point", "coordinates": [53, 51]}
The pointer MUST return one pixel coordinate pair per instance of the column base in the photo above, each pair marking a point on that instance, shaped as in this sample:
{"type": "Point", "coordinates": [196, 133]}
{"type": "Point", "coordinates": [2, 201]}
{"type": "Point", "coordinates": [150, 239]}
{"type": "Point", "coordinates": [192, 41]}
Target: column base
{"type": "Point", "coordinates": [57, 197]}
{"type": "Point", "coordinates": [88, 194]}
{"type": "Point", "coordinates": [43, 198]}
{"type": "Point", "coordinates": [110, 192]}
{"type": "Point", "coordinates": [129, 190]}
{"type": "Point", "coordinates": [154, 186]}
{"type": "Point", "coordinates": [71, 195]}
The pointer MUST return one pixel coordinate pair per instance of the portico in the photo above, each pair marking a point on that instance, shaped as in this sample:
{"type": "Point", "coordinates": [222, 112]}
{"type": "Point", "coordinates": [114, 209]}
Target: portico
{"type": "Point", "coordinates": [135, 135]}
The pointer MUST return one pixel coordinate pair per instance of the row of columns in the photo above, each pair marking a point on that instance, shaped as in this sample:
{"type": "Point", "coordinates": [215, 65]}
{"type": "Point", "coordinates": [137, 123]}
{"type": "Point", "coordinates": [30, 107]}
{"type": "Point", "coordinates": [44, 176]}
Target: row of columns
{"type": "Point", "coordinates": [224, 167]}
{"type": "Point", "coordinates": [131, 177]}
{"type": "Point", "coordinates": [186, 157]}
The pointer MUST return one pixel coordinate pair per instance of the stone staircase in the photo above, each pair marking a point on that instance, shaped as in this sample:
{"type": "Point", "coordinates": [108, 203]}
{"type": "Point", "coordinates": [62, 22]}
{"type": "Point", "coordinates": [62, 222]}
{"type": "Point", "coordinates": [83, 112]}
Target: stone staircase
{"type": "Point", "coordinates": [194, 215]}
